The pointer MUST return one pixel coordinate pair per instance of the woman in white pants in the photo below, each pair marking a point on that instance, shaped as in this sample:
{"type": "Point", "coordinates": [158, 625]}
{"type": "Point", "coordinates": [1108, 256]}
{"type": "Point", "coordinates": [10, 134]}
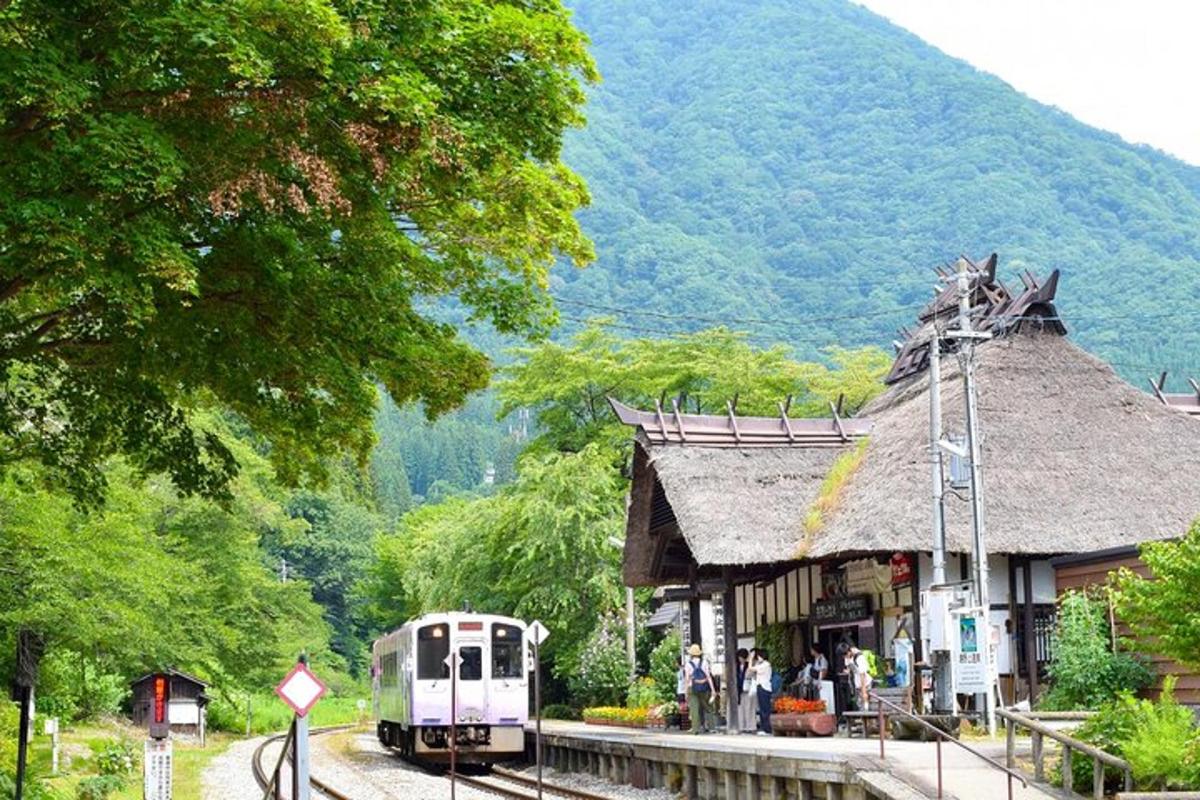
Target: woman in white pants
{"type": "Point", "coordinates": [747, 699]}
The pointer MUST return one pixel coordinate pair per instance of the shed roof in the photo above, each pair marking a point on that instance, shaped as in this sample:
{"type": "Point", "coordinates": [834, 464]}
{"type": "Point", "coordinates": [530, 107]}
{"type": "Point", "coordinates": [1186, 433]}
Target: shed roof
{"type": "Point", "coordinates": [175, 673]}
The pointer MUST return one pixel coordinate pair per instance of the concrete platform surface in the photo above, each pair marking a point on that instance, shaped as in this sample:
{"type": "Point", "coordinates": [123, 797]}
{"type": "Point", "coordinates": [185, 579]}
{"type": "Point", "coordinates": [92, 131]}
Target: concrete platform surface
{"type": "Point", "coordinates": [964, 775]}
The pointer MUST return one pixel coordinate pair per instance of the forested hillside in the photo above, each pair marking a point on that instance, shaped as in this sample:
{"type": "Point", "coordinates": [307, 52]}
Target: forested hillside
{"type": "Point", "coordinates": [759, 159]}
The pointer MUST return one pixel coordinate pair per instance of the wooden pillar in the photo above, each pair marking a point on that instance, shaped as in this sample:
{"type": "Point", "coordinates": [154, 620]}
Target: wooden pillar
{"type": "Point", "coordinates": [694, 621]}
{"type": "Point", "coordinates": [731, 683]}
{"type": "Point", "coordinates": [1031, 666]}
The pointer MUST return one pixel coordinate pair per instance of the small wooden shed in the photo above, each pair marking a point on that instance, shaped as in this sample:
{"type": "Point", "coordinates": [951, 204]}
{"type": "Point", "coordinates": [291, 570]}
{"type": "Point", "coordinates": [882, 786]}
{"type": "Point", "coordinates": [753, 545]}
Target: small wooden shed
{"type": "Point", "coordinates": [187, 708]}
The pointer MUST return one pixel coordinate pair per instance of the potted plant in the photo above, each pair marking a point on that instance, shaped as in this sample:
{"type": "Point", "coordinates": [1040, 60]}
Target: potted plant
{"type": "Point", "coordinates": [669, 713]}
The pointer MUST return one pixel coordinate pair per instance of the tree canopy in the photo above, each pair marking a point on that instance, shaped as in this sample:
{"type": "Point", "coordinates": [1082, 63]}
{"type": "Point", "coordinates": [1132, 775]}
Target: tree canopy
{"type": "Point", "coordinates": [1162, 609]}
{"type": "Point", "coordinates": [249, 203]}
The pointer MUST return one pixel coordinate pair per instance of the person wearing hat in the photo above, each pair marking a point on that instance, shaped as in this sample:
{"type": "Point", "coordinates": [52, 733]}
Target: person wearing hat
{"type": "Point", "coordinates": [699, 689]}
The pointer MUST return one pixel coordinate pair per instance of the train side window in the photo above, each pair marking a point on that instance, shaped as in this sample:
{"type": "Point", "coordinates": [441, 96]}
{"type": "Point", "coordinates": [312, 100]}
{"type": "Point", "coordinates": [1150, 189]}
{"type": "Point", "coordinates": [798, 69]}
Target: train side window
{"type": "Point", "coordinates": [506, 651]}
{"type": "Point", "coordinates": [433, 646]}
{"type": "Point", "coordinates": [471, 667]}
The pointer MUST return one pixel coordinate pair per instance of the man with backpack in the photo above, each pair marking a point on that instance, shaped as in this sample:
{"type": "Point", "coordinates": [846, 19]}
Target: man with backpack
{"type": "Point", "coordinates": [700, 689]}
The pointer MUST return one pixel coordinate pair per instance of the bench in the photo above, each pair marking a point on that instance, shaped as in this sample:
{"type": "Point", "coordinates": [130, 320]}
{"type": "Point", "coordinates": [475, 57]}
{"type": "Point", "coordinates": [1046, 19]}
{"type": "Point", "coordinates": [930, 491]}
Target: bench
{"type": "Point", "coordinates": [896, 695]}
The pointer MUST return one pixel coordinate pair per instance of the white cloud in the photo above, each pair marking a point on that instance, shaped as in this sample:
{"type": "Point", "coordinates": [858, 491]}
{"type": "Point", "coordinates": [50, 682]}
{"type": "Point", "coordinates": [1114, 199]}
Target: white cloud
{"type": "Point", "coordinates": [1126, 66]}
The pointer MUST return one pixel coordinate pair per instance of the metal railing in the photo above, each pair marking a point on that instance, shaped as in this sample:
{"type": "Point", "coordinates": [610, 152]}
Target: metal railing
{"type": "Point", "coordinates": [1038, 732]}
{"type": "Point", "coordinates": [939, 734]}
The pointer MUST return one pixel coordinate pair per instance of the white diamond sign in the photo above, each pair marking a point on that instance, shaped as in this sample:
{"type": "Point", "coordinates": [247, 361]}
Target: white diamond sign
{"type": "Point", "coordinates": [301, 689]}
{"type": "Point", "coordinates": [537, 632]}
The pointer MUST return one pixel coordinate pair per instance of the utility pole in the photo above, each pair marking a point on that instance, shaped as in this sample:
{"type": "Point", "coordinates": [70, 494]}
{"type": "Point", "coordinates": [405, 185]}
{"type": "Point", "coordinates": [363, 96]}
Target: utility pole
{"type": "Point", "coordinates": [966, 355]}
{"type": "Point", "coordinates": [935, 457]}
{"type": "Point", "coordinates": [282, 569]}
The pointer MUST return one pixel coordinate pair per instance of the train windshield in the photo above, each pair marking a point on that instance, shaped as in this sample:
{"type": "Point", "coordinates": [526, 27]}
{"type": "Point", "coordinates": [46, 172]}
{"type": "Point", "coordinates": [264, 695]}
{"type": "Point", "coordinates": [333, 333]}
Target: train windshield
{"type": "Point", "coordinates": [506, 651]}
{"type": "Point", "coordinates": [471, 666]}
{"type": "Point", "coordinates": [433, 646]}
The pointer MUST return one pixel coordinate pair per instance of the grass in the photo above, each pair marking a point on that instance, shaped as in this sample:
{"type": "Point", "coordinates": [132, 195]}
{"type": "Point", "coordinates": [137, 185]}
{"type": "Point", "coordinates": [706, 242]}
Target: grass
{"type": "Point", "coordinates": [78, 745]}
{"type": "Point", "coordinates": [268, 714]}
{"type": "Point", "coordinates": [830, 493]}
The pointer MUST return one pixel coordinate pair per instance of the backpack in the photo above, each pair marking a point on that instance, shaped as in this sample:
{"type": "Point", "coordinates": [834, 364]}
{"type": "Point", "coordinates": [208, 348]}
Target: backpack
{"type": "Point", "coordinates": [699, 676]}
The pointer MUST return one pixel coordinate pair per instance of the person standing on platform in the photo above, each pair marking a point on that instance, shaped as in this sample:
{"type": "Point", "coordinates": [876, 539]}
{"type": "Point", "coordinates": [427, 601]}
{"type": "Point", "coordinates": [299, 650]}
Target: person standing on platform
{"type": "Point", "coordinates": [860, 676]}
{"type": "Point", "coordinates": [747, 696]}
{"type": "Point", "coordinates": [818, 671]}
{"type": "Point", "coordinates": [700, 689]}
{"type": "Point", "coordinates": [760, 666]}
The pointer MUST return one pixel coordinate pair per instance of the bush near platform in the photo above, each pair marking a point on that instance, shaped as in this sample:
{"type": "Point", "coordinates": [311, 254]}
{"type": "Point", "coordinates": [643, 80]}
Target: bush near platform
{"type": "Point", "coordinates": [1159, 739]}
{"type": "Point", "coordinates": [664, 665]}
{"type": "Point", "coordinates": [1084, 670]}
{"type": "Point", "coordinates": [560, 711]}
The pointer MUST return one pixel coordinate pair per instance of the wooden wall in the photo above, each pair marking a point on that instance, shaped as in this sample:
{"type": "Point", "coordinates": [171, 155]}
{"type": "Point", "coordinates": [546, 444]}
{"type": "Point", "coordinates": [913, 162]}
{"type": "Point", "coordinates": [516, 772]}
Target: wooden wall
{"type": "Point", "coordinates": [1096, 572]}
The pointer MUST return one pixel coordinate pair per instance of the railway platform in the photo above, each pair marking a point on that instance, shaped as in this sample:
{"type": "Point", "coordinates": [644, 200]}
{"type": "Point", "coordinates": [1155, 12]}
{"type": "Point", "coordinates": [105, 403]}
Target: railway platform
{"type": "Point", "coordinates": [742, 767]}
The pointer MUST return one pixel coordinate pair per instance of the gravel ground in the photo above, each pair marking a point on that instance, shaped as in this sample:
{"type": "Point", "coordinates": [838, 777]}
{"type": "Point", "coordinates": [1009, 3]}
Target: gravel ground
{"type": "Point", "coordinates": [591, 783]}
{"type": "Point", "coordinates": [358, 766]}
{"type": "Point", "coordinates": [228, 776]}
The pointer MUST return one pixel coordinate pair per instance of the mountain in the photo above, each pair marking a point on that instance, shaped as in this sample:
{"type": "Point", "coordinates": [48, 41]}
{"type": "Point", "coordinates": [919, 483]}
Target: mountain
{"type": "Point", "coordinates": [806, 161]}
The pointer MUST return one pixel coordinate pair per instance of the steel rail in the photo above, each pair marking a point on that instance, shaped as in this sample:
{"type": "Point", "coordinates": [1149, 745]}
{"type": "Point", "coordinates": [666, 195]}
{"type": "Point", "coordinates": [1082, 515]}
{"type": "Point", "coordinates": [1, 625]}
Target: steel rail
{"type": "Point", "coordinates": [552, 788]}
{"type": "Point", "coordinates": [267, 784]}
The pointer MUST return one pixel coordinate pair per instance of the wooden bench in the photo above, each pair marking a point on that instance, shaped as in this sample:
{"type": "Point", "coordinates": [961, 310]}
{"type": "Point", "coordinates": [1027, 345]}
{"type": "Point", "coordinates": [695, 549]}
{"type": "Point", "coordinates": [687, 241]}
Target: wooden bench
{"type": "Point", "coordinates": [896, 695]}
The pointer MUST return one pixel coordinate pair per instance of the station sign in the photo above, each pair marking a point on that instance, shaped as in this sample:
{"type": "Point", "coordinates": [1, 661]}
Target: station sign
{"type": "Point", "coordinates": [160, 706]}
{"type": "Point", "coordinates": [848, 608]}
{"type": "Point", "coordinates": [156, 770]}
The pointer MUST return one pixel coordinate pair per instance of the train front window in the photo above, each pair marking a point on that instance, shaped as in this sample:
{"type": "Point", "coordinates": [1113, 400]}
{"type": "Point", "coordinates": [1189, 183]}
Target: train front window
{"type": "Point", "coordinates": [433, 647]}
{"type": "Point", "coordinates": [506, 651]}
{"type": "Point", "coordinates": [471, 666]}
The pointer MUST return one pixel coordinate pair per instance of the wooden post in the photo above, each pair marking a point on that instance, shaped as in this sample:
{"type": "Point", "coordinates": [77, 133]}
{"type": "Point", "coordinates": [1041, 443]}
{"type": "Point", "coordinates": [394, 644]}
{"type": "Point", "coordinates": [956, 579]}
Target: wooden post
{"type": "Point", "coordinates": [731, 682]}
{"type": "Point", "coordinates": [1031, 667]}
{"type": "Point", "coordinates": [1039, 764]}
{"type": "Point", "coordinates": [1010, 743]}
{"type": "Point", "coordinates": [1097, 779]}
{"type": "Point", "coordinates": [1068, 776]}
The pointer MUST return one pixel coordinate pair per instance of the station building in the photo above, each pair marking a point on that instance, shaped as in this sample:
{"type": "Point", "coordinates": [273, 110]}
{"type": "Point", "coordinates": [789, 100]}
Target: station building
{"type": "Point", "coordinates": [826, 525]}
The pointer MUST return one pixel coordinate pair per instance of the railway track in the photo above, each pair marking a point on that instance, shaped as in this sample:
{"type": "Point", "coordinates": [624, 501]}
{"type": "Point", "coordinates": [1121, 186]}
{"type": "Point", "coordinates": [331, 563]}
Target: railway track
{"type": "Point", "coordinates": [260, 774]}
{"type": "Point", "coordinates": [500, 782]}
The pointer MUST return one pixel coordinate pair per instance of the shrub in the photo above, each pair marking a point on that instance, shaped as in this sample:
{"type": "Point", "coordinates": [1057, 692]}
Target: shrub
{"type": "Point", "coordinates": [1164, 750]}
{"type": "Point", "coordinates": [98, 787]}
{"type": "Point", "coordinates": [643, 693]}
{"type": "Point", "coordinates": [116, 758]}
{"type": "Point", "coordinates": [1084, 670]}
{"type": "Point", "coordinates": [600, 672]}
{"type": "Point", "coordinates": [560, 711]}
{"type": "Point", "coordinates": [776, 641]}
{"type": "Point", "coordinates": [1159, 740]}
{"type": "Point", "coordinates": [664, 665]}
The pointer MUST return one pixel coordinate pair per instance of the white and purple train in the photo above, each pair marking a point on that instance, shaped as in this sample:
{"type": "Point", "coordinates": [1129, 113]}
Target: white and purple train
{"type": "Point", "coordinates": [412, 687]}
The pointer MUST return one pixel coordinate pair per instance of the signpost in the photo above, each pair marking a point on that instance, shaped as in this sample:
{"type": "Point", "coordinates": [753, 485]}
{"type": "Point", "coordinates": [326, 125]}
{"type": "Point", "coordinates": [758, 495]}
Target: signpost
{"type": "Point", "coordinates": [157, 761]}
{"type": "Point", "coordinates": [452, 661]}
{"type": "Point", "coordinates": [301, 690]}
{"type": "Point", "coordinates": [536, 633]}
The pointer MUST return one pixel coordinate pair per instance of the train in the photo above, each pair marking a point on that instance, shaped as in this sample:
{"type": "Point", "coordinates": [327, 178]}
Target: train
{"type": "Point", "coordinates": [411, 687]}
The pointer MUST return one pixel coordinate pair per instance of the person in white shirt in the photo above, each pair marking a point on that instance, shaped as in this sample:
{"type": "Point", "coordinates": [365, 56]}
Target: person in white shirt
{"type": "Point", "coordinates": [760, 667]}
{"type": "Point", "coordinates": [860, 676]}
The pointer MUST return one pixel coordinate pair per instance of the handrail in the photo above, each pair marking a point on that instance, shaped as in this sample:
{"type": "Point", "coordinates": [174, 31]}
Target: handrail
{"type": "Point", "coordinates": [940, 734]}
{"type": "Point", "coordinates": [1059, 736]}
{"type": "Point", "coordinates": [1069, 743]}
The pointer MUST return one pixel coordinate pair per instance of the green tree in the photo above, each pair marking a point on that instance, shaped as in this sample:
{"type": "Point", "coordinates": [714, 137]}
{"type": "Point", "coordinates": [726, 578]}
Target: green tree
{"type": "Point", "coordinates": [1162, 609]}
{"type": "Point", "coordinates": [243, 203]}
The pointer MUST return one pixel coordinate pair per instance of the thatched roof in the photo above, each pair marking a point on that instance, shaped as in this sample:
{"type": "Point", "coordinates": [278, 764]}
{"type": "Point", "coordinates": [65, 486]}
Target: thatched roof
{"type": "Point", "coordinates": [1074, 460]}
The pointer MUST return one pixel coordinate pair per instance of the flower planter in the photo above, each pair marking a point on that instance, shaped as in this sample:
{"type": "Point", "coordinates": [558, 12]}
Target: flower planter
{"type": "Point", "coordinates": [812, 724]}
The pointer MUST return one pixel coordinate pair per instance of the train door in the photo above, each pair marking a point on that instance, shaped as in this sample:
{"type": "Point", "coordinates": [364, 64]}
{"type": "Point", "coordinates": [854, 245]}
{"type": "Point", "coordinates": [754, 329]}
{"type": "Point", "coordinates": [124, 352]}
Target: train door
{"type": "Point", "coordinates": [472, 651]}
{"type": "Point", "coordinates": [508, 703]}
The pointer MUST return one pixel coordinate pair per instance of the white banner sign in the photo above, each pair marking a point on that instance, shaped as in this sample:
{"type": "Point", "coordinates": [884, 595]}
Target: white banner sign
{"type": "Point", "coordinates": [156, 766]}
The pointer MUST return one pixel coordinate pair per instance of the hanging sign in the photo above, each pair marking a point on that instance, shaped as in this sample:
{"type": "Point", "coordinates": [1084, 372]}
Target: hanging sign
{"type": "Point", "coordinates": [902, 569]}
{"type": "Point", "coordinates": [840, 609]}
{"type": "Point", "coordinates": [867, 576]}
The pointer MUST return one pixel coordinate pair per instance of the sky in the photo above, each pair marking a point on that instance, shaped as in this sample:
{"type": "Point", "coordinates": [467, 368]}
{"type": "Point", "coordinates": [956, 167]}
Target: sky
{"type": "Point", "coordinates": [1130, 67]}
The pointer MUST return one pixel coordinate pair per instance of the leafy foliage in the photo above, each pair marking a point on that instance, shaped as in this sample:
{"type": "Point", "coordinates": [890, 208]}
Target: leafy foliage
{"type": "Point", "coordinates": [775, 640]}
{"type": "Point", "coordinates": [644, 693]}
{"type": "Point", "coordinates": [738, 154]}
{"type": "Point", "coordinates": [598, 673]}
{"type": "Point", "coordinates": [249, 203]}
{"type": "Point", "coordinates": [1085, 669]}
{"type": "Point", "coordinates": [1159, 739]}
{"type": "Point", "coordinates": [1162, 610]}
{"type": "Point", "coordinates": [664, 665]}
